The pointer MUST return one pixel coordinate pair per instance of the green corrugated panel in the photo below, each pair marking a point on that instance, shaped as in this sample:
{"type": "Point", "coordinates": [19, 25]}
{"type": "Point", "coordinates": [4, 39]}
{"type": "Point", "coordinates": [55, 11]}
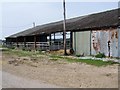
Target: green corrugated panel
{"type": "Point", "coordinates": [82, 42]}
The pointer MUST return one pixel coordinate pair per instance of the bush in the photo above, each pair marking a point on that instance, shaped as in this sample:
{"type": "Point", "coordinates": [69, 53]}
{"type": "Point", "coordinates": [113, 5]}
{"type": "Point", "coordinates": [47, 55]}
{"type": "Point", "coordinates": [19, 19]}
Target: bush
{"type": "Point", "coordinates": [11, 47]}
{"type": "Point", "coordinates": [100, 55]}
{"type": "Point", "coordinates": [23, 48]}
{"type": "Point", "coordinates": [78, 55]}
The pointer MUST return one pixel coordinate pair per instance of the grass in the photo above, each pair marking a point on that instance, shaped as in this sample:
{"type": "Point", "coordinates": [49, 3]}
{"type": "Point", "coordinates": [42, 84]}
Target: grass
{"type": "Point", "coordinates": [100, 55]}
{"type": "Point", "coordinates": [54, 59]}
{"type": "Point", "coordinates": [93, 62]}
{"type": "Point", "coordinates": [1, 46]}
{"type": "Point", "coordinates": [57, 56]}
{"type": "Point", "coordinates": [22, 53]}
{"type": "Point", "coordinates": [87, 61]}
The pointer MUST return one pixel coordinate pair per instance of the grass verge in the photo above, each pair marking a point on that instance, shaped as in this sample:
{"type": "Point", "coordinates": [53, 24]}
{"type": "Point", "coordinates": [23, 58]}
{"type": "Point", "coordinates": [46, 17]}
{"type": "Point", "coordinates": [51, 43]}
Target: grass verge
{"type": "Point", "coordinates": [1, 46]}
{"type": "Point", "coordinates": [87, 61]}
{"type": "Point", "coordinates": [22, 53]}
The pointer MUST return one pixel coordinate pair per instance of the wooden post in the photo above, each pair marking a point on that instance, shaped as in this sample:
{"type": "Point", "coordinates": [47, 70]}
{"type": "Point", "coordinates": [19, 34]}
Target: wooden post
{"type": "Point", "coordinates": [50, 42]}
{"type": "Point", "coordinates": [35, 42]}
{"type": "Point", "coordinates": [63, 39]}
{"type": "Point", "coordinates": [24, 41]}
{"type": "Point", "coordinates": [71, 40]}
{"type": "Point", "coordinates": [90, 42]}
{"type": "Point", "coordinates": [64, 28]}
{"type": "Point", "coordinates": [10, 41]}
{"type": "Point", "coordinates": [17, 42]}
{"type": "Point", "coordinates": [50, 39]}
{"type": "Point", "coordinates": [54, 37]}
{"type": "Point", "coordinates": [75, 41]}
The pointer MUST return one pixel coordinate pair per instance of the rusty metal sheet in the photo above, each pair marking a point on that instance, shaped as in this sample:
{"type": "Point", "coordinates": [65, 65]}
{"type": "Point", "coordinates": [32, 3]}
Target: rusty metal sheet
{"type": "Point", "coordinates": [105, 41]}
{"type": "Point", "coordinates": [118, 42]}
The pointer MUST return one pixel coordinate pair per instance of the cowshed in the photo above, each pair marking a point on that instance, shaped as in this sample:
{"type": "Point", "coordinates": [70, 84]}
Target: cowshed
{"type": "Point", "coordinates": [89, 35]}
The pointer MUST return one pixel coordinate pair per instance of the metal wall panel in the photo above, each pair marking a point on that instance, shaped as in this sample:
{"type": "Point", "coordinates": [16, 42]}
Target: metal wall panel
{"type": "Point", "coordinates": [114, 43]}
{"type": "Point", "coordinates": [74, 41]}
{"type": "Point", "coordinates": [104, 41]}
{"type": "Point", "coordinates": [100, 41]}
{"type": "Point", "coordinates": [82, 42]}
{"type": "Point", "coordinates": [119, 42]}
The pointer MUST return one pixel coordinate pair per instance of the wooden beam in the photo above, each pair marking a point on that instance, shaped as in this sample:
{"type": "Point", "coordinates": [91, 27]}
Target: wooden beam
{"type": "Point", "coordinates": [35, 42]}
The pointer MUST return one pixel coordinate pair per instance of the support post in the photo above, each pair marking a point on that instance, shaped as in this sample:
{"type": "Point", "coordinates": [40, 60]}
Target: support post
{"type": "Point", "coordinates": [71, 40]}
{"type": "Point", "coordinates": [17, 42]}
{"type": "Point", "coordinates": [24, 41]}
{"type": "Point", "coordinates": [35, 42]}
{"type": "Point", "coordinates": [64, 28]}
{"type": "Point", "coordinates": [50, 39]}
{"type": "Point", "coordinates": [90, 41]}
{"type": "Point", "coordinates": [54, 37]}
{"type": "Point", "coordinates": [50, 42]}
{"type": "Point", "coordinates": [10, 42]}
{"type": "Point", "coordinates": [75, 42]}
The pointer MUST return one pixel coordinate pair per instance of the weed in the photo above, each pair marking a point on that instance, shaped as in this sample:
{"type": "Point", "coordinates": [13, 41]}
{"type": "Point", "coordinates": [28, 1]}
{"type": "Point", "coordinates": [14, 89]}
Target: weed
{"type": "Point", "coordinates": [100, 55]}
{"type": "Point", "coordinates": [54, 59]}
{"type": "Point", "coordinates": [78, 55]}
{"type": "Point", "coordinates": [87, 61]}
{"type": "Point", "coordinates": [21, 53]}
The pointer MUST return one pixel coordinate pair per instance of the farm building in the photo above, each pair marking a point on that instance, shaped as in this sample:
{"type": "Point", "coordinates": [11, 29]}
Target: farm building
{"type": "Point", "coordinates": [88, 35]}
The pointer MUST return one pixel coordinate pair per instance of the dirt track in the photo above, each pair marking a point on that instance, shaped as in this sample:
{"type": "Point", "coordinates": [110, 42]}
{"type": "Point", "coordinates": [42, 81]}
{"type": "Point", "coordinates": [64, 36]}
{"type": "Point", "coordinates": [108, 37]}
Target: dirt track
{"type": "Point", "coordinates": [12, 81]}
{"type": "Point", "coordinates": [63, 74]}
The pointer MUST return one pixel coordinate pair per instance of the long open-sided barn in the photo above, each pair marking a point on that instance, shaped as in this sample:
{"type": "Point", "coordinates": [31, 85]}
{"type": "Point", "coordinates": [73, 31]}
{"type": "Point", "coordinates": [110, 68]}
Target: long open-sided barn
{"type": "Point", "coordinates": [88, 34]}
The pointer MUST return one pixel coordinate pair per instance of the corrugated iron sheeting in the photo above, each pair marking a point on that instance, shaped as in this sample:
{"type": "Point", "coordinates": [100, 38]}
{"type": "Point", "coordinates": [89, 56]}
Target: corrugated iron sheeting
{"type": "Point", "coordinates": [105, 41]}
{"type": "Point", "coordinates": [82, 43]}
{"type": "Point", "coordinates": [118, 42]}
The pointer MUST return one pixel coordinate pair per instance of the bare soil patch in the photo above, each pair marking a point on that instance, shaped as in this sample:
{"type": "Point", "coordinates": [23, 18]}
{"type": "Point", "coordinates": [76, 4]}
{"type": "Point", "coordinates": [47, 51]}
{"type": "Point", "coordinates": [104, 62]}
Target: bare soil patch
{"type": "Point", "coordinates": [60, 72]}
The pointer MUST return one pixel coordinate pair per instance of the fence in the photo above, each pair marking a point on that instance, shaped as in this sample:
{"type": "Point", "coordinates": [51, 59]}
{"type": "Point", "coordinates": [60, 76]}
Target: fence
{"type": "Point", "coordinates": [39, 45]}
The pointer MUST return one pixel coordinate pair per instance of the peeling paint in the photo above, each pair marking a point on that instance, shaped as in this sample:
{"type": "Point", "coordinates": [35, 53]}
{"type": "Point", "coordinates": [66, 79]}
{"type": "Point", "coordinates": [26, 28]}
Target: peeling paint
{"type": "Point", "coordinates": [101, 42]}
{"type": "Point", "coordinates": [118, 42]}
{"type": "Point", "coordinates": [104, 41]}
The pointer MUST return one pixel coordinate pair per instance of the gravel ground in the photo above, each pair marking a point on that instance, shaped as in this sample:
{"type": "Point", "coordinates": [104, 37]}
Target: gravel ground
{"type": "Point", "coordinates": [63, 74]}
{"type": "Point", "coordinates": [12, 81]}
{"type": "Point", "coordinates": [0, 69]}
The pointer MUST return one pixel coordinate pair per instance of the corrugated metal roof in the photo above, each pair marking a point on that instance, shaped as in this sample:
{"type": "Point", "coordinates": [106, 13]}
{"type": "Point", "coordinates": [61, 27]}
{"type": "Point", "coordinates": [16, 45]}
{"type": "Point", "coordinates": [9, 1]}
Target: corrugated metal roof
{"type": "Point", "coordinates": [103, 19]}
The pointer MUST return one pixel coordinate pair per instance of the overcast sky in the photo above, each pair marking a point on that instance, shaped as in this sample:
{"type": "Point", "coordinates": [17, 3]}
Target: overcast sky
{"type": "Point", "coordinates": [19, 16]}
